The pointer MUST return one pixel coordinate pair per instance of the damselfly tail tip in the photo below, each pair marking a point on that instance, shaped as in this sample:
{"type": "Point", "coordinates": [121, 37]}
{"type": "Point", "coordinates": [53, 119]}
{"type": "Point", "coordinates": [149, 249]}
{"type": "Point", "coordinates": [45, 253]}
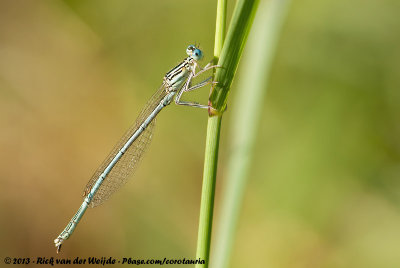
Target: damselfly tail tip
{"type": "Point", "coordinates": [58, 241]}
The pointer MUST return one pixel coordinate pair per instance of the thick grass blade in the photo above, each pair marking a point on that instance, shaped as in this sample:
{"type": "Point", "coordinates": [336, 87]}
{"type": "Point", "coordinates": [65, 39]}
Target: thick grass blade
{"type": "Point", "coordinates": [242, 19]}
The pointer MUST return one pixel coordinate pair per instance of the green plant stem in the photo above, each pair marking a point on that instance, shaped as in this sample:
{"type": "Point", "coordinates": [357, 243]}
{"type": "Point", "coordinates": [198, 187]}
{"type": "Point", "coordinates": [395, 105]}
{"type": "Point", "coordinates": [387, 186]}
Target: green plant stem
{"type": "Point", "coordinates": [211, 155]}
{"type": "Point", "coordinates": [240, 25]}
{"type": "Point", "coordinates": [246, 113]}
{"type": "Point", "coordinates": [208, 189]}
{"type": "Point", "coordinates": [220, 28]}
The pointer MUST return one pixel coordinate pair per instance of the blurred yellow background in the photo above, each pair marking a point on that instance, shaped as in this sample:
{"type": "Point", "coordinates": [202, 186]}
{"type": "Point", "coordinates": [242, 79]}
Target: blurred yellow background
{"type": "Point", "coordinates": [324, 189]}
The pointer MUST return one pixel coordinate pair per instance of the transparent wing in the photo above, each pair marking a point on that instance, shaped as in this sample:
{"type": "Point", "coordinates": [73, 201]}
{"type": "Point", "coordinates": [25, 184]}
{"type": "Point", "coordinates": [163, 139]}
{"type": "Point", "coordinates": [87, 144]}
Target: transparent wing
{"type": "Point", "coordinates": [122, 170]}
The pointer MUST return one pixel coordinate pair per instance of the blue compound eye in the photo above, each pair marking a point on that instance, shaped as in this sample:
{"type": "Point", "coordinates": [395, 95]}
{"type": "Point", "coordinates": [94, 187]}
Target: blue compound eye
{"type": "Point", "coordinates": [197, 54]}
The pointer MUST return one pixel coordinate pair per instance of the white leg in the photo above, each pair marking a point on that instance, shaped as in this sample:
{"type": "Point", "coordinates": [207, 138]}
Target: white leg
{"type": "Point", "coordinates": [186, 87]}
{"type": "Point", "coordinates": [206, 68]}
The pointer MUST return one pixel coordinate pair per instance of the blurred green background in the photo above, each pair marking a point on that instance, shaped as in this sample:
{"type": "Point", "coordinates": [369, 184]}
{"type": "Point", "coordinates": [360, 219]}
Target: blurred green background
{"type": "Point", "coordinates": [324, 189]}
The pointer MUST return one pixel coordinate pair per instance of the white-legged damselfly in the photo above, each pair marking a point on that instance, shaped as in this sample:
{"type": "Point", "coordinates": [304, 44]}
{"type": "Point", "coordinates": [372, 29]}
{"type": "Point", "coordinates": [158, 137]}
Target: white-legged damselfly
{"type": "Point", "coordinates": [119, 165]}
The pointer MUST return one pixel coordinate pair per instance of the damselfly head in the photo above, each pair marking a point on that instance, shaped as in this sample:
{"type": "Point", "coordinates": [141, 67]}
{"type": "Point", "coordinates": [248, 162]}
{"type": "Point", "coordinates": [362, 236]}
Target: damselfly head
{"type": "Point", "coordinates": [194, 52]}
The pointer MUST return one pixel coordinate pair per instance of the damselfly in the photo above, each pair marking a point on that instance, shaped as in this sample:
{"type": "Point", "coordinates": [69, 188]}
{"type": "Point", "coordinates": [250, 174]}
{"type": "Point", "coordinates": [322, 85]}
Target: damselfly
{"type": "Point", "coordinates": [122, 160]}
